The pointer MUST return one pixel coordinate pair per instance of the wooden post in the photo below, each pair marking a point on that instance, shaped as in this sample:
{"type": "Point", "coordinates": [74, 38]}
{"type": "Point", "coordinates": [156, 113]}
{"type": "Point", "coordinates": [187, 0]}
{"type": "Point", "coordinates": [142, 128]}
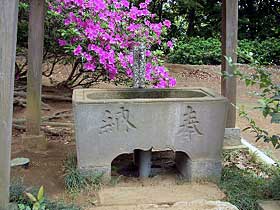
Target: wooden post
{"type": "Point", "coordinates": [229, 49]}
{"type": "Point", "coordinates": [8, 37]}
{"type": "Point", "coordinates": [34, 74]}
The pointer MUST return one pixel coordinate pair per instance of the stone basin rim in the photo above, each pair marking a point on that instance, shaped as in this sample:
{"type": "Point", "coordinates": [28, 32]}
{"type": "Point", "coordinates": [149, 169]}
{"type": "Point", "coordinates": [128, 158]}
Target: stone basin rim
{"type": "Point", "coordinates": [81, 96]}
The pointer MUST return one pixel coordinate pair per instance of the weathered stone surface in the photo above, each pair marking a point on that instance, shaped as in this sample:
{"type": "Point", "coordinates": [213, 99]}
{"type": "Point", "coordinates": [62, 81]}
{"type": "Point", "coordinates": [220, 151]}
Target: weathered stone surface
{"type": "Point", "coordinates": [113, 122]}
{"type": "Point", "coordinates": [193, 205]}
{"type": "Point", "coordinates": [232, 137]}
{"type": "Point", "coordinates": [269, 205]}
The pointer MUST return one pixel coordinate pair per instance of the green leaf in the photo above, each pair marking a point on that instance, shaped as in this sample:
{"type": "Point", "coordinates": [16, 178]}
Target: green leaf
{"type": "Point", "coordinates": [36, 206]}
{"type": "Point", "coordinates": [21, 206]}
{"type": "Point", "coordinates": [40, 195]}
{"type": "Point", "coordinates": [247, 82]}
{"type": "Point", "coordinates": [31, 197]}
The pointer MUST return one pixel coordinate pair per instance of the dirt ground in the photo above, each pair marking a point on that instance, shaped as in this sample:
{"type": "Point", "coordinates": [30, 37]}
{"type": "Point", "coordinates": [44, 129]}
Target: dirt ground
{"type": "Point", "coordinates": [47, 168]}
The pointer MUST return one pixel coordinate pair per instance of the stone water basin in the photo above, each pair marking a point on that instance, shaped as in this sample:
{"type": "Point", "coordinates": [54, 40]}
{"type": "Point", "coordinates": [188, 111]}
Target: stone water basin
{"type": "Point", "coordinates": [190, 121]}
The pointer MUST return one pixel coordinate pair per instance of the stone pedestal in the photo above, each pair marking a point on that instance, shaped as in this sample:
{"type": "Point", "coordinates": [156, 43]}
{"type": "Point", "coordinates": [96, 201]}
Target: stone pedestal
{"type": "Point", "coordinates": [269, 205]}
{"type": "Point", "coordinates": [198, 170]}
{"type": "Point", "coordinates": [232, 137]}
{"type": "Point", "coordinates": [232, 140]}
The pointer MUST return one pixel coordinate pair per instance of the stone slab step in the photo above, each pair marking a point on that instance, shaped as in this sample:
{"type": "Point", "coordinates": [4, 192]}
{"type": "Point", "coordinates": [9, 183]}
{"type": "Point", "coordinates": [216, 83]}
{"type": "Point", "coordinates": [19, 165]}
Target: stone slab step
{"type": "Point", "coordinates": [193, 205]}
{"type": "Point", "coordinates": [269, 205]}
{"type": "Point", "coordinates": [167, 194]}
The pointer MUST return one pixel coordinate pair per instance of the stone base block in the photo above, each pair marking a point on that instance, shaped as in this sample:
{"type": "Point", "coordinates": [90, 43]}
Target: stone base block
{"type": "Point", "coordinates": [198, 170]}
{"type": "Point", "coordinates": [234, 148]}
{"type": "Point", "coordinates": [34, 143]}
{"type": "Point", "coordinates": [104, 171]}
{"type": "Point", "coordinates": [232, 137]}
{"type": "Point", "coordinates": [269, 205]}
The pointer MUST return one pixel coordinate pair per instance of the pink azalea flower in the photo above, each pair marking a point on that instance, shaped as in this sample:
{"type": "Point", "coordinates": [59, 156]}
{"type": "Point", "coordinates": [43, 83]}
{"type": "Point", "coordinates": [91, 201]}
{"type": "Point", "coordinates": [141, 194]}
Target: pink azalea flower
{"type": "Point", "coordinates": [170, 44]}
{"type": "Point", "coordinates": [148, 53]}
{"type": "Point", "coordinates": [62, 42]}
{"type": "Point", "coordinates": [105, 36]}
{"type": "Point", "coordinates": [89, 66]}
{"type": "Point", "coordinates": [78, 50]}
{"type": "Point", "coordinates": [167, 23]}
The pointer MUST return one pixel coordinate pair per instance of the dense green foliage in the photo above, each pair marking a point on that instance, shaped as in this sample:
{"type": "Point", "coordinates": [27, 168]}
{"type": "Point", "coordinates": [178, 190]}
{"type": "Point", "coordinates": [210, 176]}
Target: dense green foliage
{"type": "Point", "coordinates": [269, 99]}
{"type": "Point", "coordinates": [196, 51]}
{"type": "Point", "coordinates": [259, 33]}
{"type": "Point", "coordinates": [244, 188]}
{"type": "Point", "coordinates": [208, 51]}
{"type": "Point", "coordinates": [258, 19]}
{"type": "Point", "coordinates": [264, 52]}
{"type": "Point", "coordinates": [245, 180]}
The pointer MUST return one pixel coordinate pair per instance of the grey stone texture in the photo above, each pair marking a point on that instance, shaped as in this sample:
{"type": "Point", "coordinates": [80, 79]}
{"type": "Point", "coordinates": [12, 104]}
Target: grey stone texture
{"type": "Point", "coordinates": [190, 121]}
{"type": "Point", "coordinates": [232, 137]}
{"type": "Point", "coordinates": [269, 205]}
{"type": "Point", "coordinates": [191, 205]}
{"type": "Point", "coordinates": [145, 163]}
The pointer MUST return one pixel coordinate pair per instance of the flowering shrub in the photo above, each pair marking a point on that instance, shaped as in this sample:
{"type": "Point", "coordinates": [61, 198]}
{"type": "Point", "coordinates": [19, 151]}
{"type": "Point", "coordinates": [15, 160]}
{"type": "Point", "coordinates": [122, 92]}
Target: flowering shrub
{"type": "Point", "coordinates": [103, 34]}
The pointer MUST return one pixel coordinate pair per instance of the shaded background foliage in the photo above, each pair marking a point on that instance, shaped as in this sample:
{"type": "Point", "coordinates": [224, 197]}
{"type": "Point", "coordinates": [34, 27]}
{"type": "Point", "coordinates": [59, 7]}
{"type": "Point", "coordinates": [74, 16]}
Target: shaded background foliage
{"type": "Point", "coordinates": [196, 29]}
{"type": "Point", "coordinates": [258, 19]}
{"type": "Point", "coordinates": [197, 50]}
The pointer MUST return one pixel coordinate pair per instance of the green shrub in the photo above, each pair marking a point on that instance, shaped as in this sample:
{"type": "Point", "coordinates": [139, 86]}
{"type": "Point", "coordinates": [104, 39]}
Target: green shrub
{"type": "Point", "coordinates": [246, 179]}
{"type": "Point", "coordinates": [17, 190]}
{"type": "Point", "coordinates": [274, 186]}
{"type": "Point", "coordinates": [242, 188]}
{"type": "Point", "coordinates": [199, 51]}
{"type": "Point", "coordinates": [268, 51]}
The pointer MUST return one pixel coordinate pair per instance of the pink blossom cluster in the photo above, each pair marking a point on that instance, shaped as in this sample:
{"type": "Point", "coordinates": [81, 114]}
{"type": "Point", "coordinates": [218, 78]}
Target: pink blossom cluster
{"type": "Point", "coordinates": [104, 32]}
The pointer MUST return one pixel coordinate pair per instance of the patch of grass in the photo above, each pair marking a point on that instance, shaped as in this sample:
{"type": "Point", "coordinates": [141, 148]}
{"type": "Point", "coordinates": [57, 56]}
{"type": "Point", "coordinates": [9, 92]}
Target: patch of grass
{"type": "Point", "coordinates": [242, 188]}
{"type": "Point", "coordinates": [17, 195]}
{"type": "Point", "coordinates": [246, 180]}
{"type": "Point", "coordinates": [75, 181]}
{"type": "Point", "coordinates": [115, 180]}
{"type": "Point", "coordinates": [59, 205]}
{"type": "Point", "coordinates": [269, 153]}
{"type": "Point", "coordinates": [274, 187]}
{"type": "Point", "coordinates": [180, 180]}
{"type": "Point", "coordinates": [254, 157]}
{"type": "Point", "coordinates": [17, 190]}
